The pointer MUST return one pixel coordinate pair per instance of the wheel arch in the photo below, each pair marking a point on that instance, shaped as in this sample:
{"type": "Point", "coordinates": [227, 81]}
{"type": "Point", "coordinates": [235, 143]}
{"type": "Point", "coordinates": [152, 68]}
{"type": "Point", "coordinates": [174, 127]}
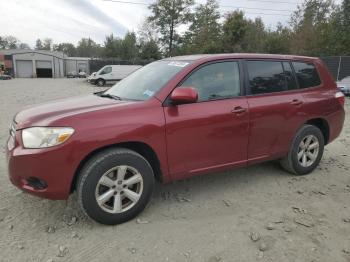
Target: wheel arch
{"type": "Point", "coordinates": [323, 125]}
{"type": "Point", "coordinates": [143, 149]}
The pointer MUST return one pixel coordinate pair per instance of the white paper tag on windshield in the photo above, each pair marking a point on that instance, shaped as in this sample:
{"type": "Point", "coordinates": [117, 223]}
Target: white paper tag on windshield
{"type": "Point", "coordinates": [179, 64]}
{"type": "Point", "coordinates": [148, 93]}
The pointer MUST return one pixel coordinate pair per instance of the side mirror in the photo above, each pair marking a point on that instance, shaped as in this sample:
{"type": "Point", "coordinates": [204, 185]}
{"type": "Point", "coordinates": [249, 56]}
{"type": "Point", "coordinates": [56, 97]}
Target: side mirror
{"type": "Point", "coordinates": [184, 95]}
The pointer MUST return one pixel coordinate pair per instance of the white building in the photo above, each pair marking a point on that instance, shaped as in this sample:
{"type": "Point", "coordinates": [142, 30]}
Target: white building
{"type": "Point", "coordinates": [77, 64]}
{"type": "Point", "coordinates": [42, 63]}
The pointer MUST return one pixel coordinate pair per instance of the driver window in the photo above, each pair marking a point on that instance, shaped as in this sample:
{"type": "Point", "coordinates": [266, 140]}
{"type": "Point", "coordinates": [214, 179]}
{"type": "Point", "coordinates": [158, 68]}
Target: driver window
{"type": "Point", "coordinates": [215, 81]}
{"type": "Point", "coordinates": [106, 70]}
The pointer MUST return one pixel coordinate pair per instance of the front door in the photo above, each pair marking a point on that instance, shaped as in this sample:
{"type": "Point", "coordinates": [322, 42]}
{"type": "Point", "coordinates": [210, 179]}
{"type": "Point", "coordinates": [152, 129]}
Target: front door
{"type": "Point", "coordinates": [211, 134]}
{"type": "Point", "coordinates": [106, 73]}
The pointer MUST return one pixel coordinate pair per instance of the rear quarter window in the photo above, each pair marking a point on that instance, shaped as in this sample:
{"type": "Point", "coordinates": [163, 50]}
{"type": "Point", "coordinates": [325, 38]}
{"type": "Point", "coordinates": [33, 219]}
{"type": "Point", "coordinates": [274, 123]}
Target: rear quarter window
{"type": "Point", "coordinates": [306, 74]}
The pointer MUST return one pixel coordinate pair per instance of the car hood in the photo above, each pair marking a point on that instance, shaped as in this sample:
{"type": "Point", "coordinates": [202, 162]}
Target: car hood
{"type": "Point", "coordinates": [43, 114]}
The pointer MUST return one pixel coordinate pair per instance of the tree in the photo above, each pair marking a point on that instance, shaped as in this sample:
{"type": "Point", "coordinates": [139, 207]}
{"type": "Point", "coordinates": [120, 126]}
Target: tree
{"type": "Point", "coordinates": [112, 46]}
{"type": "Point", "coordinates": [309, 25]}
{"type": "Point", "coordinates": [339, 29]}
{"type": "Point", "coordinates": [147, 31]}
{"type": "Point", "coordinates": [88, 48]}
{"type": "Point", "coordinates": [47, 43]}
{"type": "Point", "coordinates": [8, 42]}
{"type": "Point", "coordinates": [38, 45]}
{"type": "Point", "coordinates": [234, 30]}
{"type": "Point", "coordinates": [23, 46]}
{"type": "Point", "coordinates": [167, 15]}
{"type": "Point", "coordinates": [278, 41]}
{"type": "Point", "coordinates": [147, 41]}
{"type": "Point", "coordinates": [150, 51]}
{"type": "Point", "coordinates": [254, 39]}
{"type": "Point", "coordinates": [204, 31]}
{"type": "Point", "coordinates": [129, 49]}
{"type": "Point", "coordinates": [67, 48]}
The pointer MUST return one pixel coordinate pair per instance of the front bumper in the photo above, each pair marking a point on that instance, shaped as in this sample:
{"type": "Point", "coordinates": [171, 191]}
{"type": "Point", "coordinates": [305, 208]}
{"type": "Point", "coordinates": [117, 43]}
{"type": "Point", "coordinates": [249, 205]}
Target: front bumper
{"type": "Point", "coordinates": [51, 165]}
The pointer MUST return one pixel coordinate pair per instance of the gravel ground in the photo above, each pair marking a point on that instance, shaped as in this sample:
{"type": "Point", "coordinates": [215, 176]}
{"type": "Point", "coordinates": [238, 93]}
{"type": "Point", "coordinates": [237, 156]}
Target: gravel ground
{"type": "Point", "coordinates": [256, 213]}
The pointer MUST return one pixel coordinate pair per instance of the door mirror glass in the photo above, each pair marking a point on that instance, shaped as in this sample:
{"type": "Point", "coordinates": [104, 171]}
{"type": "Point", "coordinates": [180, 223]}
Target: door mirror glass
{"type": "Point", "coordinates": [184, 95]}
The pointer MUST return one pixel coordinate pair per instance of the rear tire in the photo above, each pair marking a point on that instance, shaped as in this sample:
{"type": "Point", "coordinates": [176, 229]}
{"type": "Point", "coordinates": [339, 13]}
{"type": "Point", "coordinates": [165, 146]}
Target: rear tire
{"type": "Point", "coordinates": [115, 185]}
{"type": "Point", "coordinates": [306, 151]}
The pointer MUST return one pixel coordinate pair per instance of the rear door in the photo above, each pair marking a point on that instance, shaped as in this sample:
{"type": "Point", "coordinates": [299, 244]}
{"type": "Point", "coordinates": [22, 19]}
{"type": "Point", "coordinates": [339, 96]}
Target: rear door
{"type": "Point", "coordinates": [211, 134]}
{"type": "Point", "coordinates": [275, 107]}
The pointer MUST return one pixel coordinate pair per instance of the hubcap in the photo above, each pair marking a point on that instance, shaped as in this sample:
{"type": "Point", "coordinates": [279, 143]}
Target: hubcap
{"type": "Point", "coordinates": [119, 189]}
{"type": "Point", "coordinates": [308, 150]}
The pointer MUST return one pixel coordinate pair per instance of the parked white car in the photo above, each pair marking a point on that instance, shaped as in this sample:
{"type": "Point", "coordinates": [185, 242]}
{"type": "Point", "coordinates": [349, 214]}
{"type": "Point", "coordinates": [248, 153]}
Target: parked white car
{"type": "Point", "coordinates": [344, 85]}
{"type": "Point", "coordinates": [111, 73]}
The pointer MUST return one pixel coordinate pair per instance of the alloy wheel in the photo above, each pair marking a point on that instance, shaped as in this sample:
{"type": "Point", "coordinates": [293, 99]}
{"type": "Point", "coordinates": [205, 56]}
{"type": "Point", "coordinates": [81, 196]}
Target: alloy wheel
{"type": "Point", "coordinates": [308, 150]}
{"type": "Point", "coordinates": [119, 189]}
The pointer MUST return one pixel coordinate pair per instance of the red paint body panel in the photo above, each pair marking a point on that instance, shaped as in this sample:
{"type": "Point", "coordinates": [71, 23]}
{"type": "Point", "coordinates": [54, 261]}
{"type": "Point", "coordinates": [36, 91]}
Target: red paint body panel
{"type": "Point", "coordinates": [188, 139]}
{"type": "Point", "coordinates": [211, 136]}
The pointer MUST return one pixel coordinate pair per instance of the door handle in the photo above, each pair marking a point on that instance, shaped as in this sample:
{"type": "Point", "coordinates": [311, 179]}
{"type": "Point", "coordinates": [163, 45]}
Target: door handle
{"type": "Point", "coordinates": [238, 110]}
{"type": "Point", "coordinates": [296, 102]}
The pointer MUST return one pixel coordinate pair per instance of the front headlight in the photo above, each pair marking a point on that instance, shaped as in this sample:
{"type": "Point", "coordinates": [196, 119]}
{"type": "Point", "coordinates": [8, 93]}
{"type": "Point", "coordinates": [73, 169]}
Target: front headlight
{"type": "Point", "coordinates": [40, 137]}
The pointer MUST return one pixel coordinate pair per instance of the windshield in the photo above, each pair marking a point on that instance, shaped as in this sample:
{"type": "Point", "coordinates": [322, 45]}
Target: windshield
{"type": "Point", "coordinates": [146, 81]}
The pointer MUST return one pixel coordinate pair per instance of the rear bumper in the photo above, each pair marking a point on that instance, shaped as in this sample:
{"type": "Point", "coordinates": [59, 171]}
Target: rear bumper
{"type": "Point", "coordinates": [335, 123]}
{"type": "Point", "coordinates": [49, 165]}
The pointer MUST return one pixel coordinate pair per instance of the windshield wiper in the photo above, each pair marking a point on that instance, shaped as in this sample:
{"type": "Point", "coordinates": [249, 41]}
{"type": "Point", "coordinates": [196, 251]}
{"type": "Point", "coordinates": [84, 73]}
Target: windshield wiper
{"type": "Point", "coordinates": [110, 96]}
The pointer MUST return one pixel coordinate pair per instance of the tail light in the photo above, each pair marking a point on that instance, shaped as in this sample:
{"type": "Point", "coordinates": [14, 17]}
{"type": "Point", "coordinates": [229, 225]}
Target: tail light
{"type": "Point", "coordinates": [340, 97]}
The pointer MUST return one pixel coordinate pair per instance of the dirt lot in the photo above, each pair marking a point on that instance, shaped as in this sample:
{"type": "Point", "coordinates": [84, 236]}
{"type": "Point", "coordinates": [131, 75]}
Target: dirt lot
{"type": "Point", "coordinates": [257, 213]}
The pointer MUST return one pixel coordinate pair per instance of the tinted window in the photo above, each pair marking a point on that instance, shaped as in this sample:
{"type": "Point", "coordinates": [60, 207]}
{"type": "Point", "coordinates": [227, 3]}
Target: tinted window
{"type": "Point", "coordinates": [266, 77]}
{"type": "Point", "coordinates": [290, 79]}
{"type": "Point", "coordinates": [306, 74]}
{"type": "Point", "coordinates": [106, 70]}
{"type": "Point", "coordinates": [215, 81]}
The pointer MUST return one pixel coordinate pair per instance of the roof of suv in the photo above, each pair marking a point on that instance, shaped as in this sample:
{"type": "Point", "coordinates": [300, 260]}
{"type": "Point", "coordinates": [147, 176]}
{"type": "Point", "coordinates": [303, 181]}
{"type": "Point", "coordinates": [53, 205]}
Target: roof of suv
{"type": "Point", "coordinates": [237, 55]}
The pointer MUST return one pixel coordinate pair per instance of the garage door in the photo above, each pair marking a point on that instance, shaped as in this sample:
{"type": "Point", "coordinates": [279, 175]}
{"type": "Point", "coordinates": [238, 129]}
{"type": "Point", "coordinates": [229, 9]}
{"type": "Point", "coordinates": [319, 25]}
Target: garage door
{"type": "Point", "coordinates": [44, 64]}
{"type": "Point", "coordinates": [24, 68]}
{"type": "Point", "coordinates": [44, 69]}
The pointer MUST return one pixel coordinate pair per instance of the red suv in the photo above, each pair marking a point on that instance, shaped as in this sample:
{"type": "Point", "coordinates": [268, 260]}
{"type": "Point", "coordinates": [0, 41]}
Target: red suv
{"type": "Point", "coordinates": [173, 119]}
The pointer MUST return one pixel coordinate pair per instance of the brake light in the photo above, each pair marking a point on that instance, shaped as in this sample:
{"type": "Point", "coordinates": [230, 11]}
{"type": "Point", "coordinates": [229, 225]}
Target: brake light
{"type": "Point", "coordinates": [340, 97]}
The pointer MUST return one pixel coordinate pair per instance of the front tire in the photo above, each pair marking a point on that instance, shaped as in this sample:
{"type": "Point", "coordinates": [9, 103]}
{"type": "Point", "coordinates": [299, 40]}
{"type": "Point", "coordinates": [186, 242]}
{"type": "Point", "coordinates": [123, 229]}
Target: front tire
{"type": "Point", "coordinates": [306, 151]}
{"type": "Point", "coordinates": [115, 185]}
{"type": "Point", "coordinates": [100, 82]}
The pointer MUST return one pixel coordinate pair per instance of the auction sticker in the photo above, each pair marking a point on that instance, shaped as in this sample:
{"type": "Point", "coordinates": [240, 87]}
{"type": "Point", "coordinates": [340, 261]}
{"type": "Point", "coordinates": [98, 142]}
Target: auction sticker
{"type": "Point", "coordinates": [179, 64]}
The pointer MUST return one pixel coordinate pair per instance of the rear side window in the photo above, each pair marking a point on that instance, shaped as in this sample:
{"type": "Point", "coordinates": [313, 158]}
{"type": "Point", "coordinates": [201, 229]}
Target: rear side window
{"type": "Point", "coordinates": [215, 81]}
{"type": "Point", "coordinates": [266, 77]}
{"type": "Point", "coordinates": [306, 74]}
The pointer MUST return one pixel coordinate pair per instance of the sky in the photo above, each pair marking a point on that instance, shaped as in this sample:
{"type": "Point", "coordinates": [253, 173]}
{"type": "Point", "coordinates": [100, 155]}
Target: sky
{"type": "Point", "coordinates": [71, 20]}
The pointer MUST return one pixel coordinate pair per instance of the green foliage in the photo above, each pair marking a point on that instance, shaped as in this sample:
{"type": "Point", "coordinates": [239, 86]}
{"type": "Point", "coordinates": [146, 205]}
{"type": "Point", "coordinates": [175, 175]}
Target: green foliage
{"type": "Point", "coordinates": [234, 29]}
{"type": "Point", "coordinates": [88, 48]}
{"type": "Point", "coordinates": [167, 15]}
{"type": "Point", "coordinates": [150, 51]}
{"type": "Point", "coordinates": [8, 42]}
{"type": "Point", "coordinates": [38, 45]}
{"type": "Point", "coordinates": [45, 44]}
{"type": "Point", "coordinates": [67, 48]}
{"type": "Point", "coordinates": [129, 50]}
{"type": "Point", "coordinates": [203, 35]}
